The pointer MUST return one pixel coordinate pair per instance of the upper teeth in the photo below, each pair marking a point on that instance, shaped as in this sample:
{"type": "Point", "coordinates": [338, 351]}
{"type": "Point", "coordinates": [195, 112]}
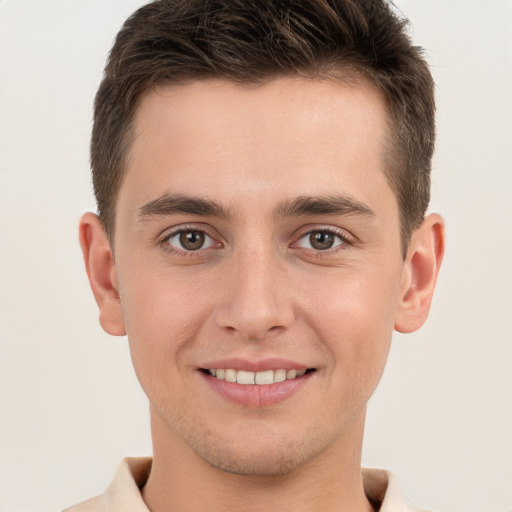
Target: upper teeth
{"type": "Point", "coordinates": [262, 378]}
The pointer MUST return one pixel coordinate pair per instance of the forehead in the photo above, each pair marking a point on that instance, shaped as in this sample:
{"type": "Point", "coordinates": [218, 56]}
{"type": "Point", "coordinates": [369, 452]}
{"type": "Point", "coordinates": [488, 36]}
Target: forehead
{"type": "Point", "coordinates": [289, 137]}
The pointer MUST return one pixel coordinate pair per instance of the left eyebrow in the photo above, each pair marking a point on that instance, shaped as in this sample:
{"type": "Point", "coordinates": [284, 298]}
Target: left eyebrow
{"type": "Point", "coordinates": [325, 205]}
{"type": "Point", "coordinates": [170, 204]}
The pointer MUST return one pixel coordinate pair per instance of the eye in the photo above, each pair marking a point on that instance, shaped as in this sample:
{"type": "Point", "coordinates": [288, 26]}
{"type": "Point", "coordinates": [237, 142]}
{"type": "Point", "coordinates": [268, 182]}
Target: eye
{"type": "Point", "coordinates": [190, 240]}
{"type": "Point", "coordinates": [320, 240]}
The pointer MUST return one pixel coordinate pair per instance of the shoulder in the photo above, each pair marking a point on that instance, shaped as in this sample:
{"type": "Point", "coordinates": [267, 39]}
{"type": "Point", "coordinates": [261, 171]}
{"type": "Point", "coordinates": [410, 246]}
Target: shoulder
{"type": "Point", "coordinates": [95, 504]}
{"type": "Point", "coordinates": [123, 494]}
{"type": "Point", "coordinates": [383, 491]}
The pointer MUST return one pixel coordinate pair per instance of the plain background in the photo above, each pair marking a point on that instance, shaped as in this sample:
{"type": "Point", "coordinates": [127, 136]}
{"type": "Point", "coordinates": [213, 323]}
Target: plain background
{"type": "Point", "coordinates": [70, 406]}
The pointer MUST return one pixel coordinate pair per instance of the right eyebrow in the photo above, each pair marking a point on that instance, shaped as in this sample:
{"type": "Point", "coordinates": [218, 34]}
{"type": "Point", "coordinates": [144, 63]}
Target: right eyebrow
{"type": "Point", "coordinates": [324, 205]}
{"type": "Point", "coordinates": [169, 204]}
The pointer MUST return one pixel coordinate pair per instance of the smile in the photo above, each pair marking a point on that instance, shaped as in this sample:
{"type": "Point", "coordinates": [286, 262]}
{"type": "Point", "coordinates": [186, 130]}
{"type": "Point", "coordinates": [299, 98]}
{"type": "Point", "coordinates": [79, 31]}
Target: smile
{"type": "Point", "coordinates": [269, 382]}
{"type": "Point", "coordinates": [257, 378]}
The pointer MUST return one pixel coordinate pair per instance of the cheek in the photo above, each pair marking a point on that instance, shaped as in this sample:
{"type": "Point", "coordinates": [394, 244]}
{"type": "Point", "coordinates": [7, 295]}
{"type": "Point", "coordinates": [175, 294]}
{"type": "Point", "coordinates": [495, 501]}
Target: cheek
{"type": "Point", "coordinates": [159, 304]}
{"type": "Point", "coordinates": [354, 318]}
{"type": "Point", "coordinates": [162, 318]}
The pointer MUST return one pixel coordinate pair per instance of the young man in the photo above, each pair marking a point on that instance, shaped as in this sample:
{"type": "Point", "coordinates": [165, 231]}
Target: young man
{"type": "Point", "coordinates": [262, 176]}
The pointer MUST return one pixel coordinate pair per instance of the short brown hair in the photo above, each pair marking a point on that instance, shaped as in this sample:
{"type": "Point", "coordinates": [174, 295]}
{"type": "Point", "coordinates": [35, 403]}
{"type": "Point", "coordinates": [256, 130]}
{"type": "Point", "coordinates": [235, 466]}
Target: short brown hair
{"type": "Point", "coordinates": [253, 41]}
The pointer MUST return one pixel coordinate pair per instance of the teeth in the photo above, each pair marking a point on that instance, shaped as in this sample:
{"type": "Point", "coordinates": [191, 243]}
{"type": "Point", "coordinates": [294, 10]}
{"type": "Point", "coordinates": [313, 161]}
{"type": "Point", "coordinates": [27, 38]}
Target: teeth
{"type": "Point", "coordinates": [245, 377]}
{"type": "Point", "coordinates": [291, 374]}
{"type": "Point", "coordinates": [230, 375]}
{"type": "Point", "coordinates": [279, 375]}
{"type": "Point", "coordinates": [260, 378]}
{"type": "Point", "coordinates": [264, 377]}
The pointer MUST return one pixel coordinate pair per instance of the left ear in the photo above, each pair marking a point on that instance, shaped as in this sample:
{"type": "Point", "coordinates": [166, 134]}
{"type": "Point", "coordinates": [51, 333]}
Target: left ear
{"type": "Point", "coordinates": [421, 268]}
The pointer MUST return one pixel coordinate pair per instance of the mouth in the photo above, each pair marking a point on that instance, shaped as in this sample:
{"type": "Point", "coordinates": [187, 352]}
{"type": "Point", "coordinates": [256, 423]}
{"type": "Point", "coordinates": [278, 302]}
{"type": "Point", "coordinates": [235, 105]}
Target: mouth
{"type": "Point", "coordinates": [257, 382]}
{"type": "Point", "coordinates": [263, 378]}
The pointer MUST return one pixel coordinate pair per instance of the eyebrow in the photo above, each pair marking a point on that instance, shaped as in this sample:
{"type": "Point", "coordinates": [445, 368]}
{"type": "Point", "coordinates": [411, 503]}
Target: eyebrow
{"type": "Point", "coordinates": [169, 204]}
{"type": "Point", "coordinates": [324, 205]}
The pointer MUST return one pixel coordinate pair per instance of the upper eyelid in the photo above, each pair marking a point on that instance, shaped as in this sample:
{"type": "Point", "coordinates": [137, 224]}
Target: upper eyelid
{"type": "Point", "coordinates": [172, 231]}
{"type": "Point", "coordinates": [343, 242]}
{"type": "Point", "coordinates": [342, 233]}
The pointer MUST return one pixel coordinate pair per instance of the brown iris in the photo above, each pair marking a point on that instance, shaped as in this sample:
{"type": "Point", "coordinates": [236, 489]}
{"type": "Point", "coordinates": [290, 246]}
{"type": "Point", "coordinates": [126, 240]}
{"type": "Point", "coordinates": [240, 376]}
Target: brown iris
{"type": "Point", "coordinates": [192, 240]}
{"type": "Point", "coordinates": [321, 240]}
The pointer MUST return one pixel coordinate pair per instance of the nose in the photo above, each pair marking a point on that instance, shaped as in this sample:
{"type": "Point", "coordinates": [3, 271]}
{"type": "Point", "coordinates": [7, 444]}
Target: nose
{"type": "Point", "coordinates": [257, 300]}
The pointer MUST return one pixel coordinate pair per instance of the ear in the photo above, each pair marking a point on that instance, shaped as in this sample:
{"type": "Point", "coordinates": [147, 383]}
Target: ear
{"type": "Point", "coordinates": [420, 272]}
{"type": "Point", "coordinates": [101, 270]}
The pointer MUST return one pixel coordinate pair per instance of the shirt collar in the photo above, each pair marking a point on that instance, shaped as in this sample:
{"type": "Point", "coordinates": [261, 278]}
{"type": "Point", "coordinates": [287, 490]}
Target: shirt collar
{"type": "Point", "coordinates": [124, 493]}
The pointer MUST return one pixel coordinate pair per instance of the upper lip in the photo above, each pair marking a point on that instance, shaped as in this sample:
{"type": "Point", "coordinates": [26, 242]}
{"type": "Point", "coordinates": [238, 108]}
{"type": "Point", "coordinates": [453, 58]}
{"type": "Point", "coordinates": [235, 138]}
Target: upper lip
{"type": "Point", "coordinates": [252, 365]}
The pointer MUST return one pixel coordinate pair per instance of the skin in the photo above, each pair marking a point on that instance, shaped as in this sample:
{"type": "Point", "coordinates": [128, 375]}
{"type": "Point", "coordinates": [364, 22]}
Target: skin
{"type": "Point", "coordinates": [259, 287]}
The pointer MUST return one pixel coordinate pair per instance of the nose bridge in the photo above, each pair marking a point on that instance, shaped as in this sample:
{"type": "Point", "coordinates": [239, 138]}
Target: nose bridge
{"type": "Point", "coordinates": [258, 299]}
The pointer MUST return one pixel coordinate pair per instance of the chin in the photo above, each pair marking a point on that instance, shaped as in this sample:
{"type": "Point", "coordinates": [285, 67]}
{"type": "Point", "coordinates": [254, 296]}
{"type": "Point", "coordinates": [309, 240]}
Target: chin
{"type": "Point", "coordinates": [257, 456]}
{"type": "Point", "coordinates": [258, 465]}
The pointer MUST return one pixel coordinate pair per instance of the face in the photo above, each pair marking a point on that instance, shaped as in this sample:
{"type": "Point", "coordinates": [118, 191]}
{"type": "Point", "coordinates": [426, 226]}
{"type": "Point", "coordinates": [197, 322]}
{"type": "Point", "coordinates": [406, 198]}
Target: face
{"type": "Point", "coordinates": [257, 241]}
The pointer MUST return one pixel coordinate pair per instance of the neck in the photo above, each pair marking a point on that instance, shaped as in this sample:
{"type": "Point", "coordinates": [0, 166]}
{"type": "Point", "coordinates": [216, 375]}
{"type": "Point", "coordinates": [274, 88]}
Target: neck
{"type": "Point", "coordinates": [180, 481]}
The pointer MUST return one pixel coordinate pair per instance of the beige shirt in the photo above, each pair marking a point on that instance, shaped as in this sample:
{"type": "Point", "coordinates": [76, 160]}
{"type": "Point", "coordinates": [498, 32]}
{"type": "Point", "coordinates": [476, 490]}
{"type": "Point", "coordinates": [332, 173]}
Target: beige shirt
{"type": "Point", "coordinates": [123, 494]}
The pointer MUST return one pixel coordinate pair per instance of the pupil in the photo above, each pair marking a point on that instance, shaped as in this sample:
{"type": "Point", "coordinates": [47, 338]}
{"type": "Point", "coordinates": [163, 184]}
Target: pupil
{"type": "Point", "coordinates": [192, 240]}
{"type": "Point", "coordinates": [321, 240]}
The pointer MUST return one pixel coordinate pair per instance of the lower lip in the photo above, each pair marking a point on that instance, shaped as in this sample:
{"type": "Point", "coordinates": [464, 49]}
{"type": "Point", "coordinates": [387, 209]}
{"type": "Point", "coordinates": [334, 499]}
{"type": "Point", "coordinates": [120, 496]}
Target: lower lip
{"type": "Point", "coordinates": [254, 395]}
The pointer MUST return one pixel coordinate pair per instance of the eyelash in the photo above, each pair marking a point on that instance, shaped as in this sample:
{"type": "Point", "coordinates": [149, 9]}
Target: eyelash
{"type": "Point", "coordinates": [184, 253]}
{"type": "Point", "coordinates": [346, 241]}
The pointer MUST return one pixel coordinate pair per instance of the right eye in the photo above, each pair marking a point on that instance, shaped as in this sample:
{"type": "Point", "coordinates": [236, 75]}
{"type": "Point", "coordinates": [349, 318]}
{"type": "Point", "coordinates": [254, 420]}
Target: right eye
{"type": "Point", "coordinates": [189, 240]}
{"type": "Point", "coordinates": [321, 240]}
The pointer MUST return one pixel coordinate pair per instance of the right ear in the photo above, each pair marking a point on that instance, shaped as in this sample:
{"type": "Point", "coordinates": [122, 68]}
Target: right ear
{"type": "Point", "coordinates": [101, 270]}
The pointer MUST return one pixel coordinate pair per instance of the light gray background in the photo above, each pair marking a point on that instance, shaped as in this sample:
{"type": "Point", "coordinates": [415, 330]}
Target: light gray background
{"type": "Point", "coordinates": [70, 405]}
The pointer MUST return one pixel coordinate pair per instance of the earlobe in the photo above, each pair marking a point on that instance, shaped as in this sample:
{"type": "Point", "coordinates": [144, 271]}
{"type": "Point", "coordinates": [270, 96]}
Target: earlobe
{"type": "Point", "coordinates": [99, 264]}
{"type": "Point", "coordinates": [420, 272]}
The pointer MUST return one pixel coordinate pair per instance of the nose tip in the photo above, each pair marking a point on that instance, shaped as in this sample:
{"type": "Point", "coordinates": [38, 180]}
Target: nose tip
{"type": "Point", "coordinates": [257, 304]}
{"type": "Point", "coordinates": [252, 324]}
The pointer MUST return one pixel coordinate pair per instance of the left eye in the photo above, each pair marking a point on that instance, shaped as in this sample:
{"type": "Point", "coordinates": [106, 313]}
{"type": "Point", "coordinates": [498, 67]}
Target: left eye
{"type": "Point", "coordinates": [190, 240]}
{"type": "Point", "coordinates": [320, 240]}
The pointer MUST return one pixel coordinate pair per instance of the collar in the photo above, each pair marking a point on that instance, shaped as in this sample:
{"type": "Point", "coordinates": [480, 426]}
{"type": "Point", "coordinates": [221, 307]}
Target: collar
{"type": "Point", "coordinates": [123, 494]}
